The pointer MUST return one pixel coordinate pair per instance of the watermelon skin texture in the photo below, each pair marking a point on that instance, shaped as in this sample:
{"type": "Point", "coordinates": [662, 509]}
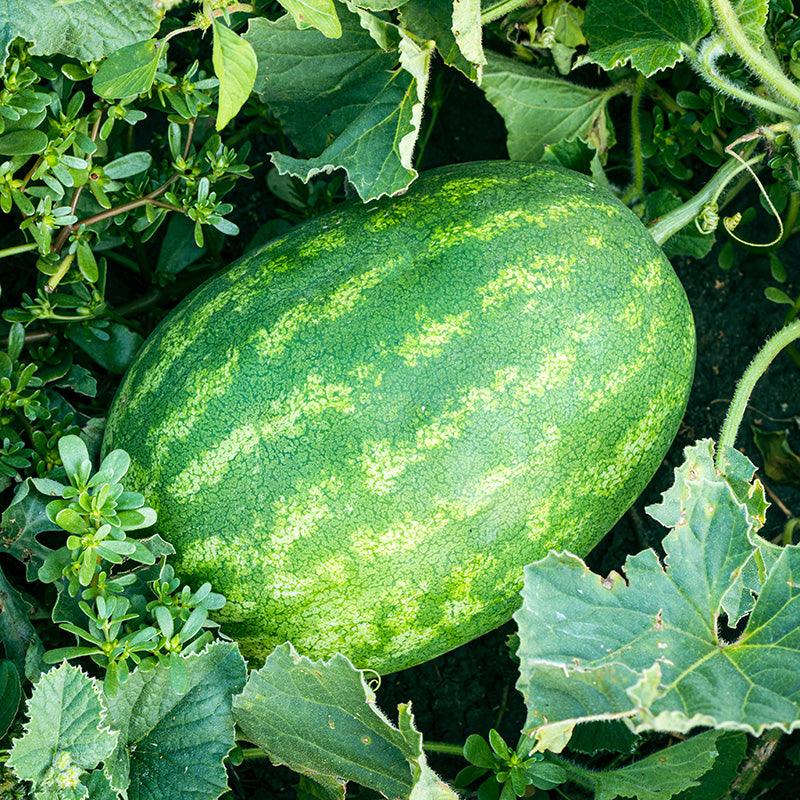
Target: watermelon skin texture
{"type": "Point", "coordinates": [362, 432]}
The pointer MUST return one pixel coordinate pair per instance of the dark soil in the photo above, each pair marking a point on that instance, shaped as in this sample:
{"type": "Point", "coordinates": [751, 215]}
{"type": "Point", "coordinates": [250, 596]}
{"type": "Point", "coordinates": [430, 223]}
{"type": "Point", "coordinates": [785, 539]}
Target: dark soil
{"type": "Point", "coordinates": [471, 690]}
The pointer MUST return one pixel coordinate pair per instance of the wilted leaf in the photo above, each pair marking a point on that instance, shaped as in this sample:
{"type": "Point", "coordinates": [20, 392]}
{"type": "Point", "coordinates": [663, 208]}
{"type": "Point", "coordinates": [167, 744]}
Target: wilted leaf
{"type": "Point", "coordinates": [347, 103]}
{"type": "Point", "coordinates": [781, 463]}
{"type": "Point", "coordinates": [646, 33]}
{"type": "Point", "coordinates": [540, 109]}
{"type": "Point", "coordinates": [320, 719]}
{"type": "Point", "coordinates": [648, 646]}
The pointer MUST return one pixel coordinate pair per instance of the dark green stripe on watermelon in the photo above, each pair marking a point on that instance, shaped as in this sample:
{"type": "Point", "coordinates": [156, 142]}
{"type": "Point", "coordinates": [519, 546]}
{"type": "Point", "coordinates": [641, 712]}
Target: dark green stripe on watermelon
{"type": "Point", "coordinates": [362, 432]}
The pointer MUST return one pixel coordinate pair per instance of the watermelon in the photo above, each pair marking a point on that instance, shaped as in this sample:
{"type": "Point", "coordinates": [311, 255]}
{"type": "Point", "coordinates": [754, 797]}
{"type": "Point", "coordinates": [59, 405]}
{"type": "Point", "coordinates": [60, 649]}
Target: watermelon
{"type": "Point", "coordinates": [363, 431]}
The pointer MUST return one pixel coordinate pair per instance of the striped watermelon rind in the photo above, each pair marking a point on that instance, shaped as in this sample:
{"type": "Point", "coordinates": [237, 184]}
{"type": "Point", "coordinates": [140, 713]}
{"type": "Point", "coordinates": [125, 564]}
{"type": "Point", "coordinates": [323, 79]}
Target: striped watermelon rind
{"type": "Point", "coordinates": [363, 431]}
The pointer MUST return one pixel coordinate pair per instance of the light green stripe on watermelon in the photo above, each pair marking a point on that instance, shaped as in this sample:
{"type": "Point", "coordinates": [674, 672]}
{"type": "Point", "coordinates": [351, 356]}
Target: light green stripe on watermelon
{"type": "Point", "coordinates": [429, 393]}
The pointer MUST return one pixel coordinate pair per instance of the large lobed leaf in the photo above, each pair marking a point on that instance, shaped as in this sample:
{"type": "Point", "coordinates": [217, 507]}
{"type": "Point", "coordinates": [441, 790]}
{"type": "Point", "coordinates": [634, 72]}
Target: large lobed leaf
{"type": "Point", "coordinates": [540, 109]}
{"type": "Point", "coordinates": [176, 736]}
{"type": "Point", "coordinates": [320, 719]}
{"type": "Point", "coordinates": [84, 29]}
{"type": "Point", "coordinates": [651, 647]}
{"type": "Point", "coordinates": [353, 103]}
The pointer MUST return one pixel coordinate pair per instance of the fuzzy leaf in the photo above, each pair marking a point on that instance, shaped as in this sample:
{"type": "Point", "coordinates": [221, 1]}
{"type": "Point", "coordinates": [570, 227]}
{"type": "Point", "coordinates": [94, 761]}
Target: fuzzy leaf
{"type": "Point", "coordinates": [86, 29]}
{"type": "Point", "coordinates": [344, 103]}
{"type": "Point", "coordinates": [663, 774]}
{"type": "Point", "coordinates": [646, 33]}
{"type": "Point", "coordinates": [128, 72]}
{"type": "Point", "coordinates": [540, 109]}
{"type": "Point", "coordinates": [647, 647]}
{"type": "Point", "coordinates": [235, 66]}
{"type": "Point", "coordinates": [172, 738]}
{"type": "Point", "coordinates": [320, 719]}
{"type": "Point", "coordinates": [319, 14]}
{"type": "Point", "coordinates": [753, 16]}
{"type": "Point", "coordinates": [67, 714]}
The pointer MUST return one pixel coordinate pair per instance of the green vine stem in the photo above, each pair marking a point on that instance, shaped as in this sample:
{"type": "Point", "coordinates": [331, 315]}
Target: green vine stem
{"type": "Point", "coordinates": [499, 9]}
{"type": "Point", "coordinates": [705, 62]}
{"type": "Point", "coordinates": [677, 219]}
{"type": "Point", "coordinates": [768, 353]}
{"type": "Point", "coordinates": [17, 249]}
{"type": "Point", "coordinates": [773, 77]}
{"type": "Point", "coordinates": [637, 156]}
{"type": "Point", "coordinates": [444, 747]}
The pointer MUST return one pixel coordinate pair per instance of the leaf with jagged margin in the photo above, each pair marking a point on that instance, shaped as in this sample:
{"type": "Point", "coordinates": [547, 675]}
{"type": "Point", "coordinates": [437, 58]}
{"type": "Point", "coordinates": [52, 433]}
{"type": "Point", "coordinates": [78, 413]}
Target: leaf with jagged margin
{"type": "Point", "coordinates": [714, 785]}
{"type": "Point", "coordinates": [662, 774]}
{"type": "Point", "coordinates": [23, 520]}
{"type": "Point", "coordinates": [319, 14]}
{"type": "Point", "coordinates": [86, 29]}
{"type": "Point", "coordinates": [649, 34]}
{"type": "Point", "coordinates": [540, 109]}
{"type": "Point", "coordinates": [345, 103]}
{"type": "Point", "coordinates": [173, 737]}
{"type": "Point", "coordinates": [753, 15]}
{"type": "Point", "coordinates": [434, 20]}
{"type": "Point", "coordinates": [67, 714]}
{"type": "Point", "coordinates": [646, 647]}
{"type": "Point", "coordinates": [319, 718]}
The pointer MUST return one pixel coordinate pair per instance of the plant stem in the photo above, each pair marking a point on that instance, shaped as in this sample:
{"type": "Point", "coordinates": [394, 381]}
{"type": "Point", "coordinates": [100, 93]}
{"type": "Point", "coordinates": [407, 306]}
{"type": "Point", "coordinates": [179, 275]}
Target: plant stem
{"type": "Point", "coordinates": [736, 36]}
{"type": "Point", "coordinates": [677, 219]}
{"type": "Point", "coordinates": [706, 64]}
{"type": "Point", "coordinates": [250, 753]}
{"type": "Point", "coordinates": [17, 249]}
{"type": "Point", "coordinates": [791, 216]}
{"type": "Point", "coordinates": [637, 154]}
{"type": "Point", "coordinates": [750, 771]}
{"type": "Point", "coordinates": [63, 269]}
{"type": "Point", "coordinates": [741, 398]}
{"type": "Point", "coordinates": [499, 9]}
{"type": "Point", "coordinates": [444, 747]}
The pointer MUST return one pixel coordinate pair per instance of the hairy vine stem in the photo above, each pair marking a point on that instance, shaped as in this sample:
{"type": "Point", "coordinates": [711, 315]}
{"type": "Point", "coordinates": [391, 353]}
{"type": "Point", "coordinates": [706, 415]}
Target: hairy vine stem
{"type": "Point", "coordinates": [684, 215]}
{"type": "Point", "coordinates": [705, 62]}
{"type": "Point", "coordinates": [499, 9]}
{"type": "Point", "coordinates": [768, 353]}
{"type": "Point", "coordinates": [766, 70]}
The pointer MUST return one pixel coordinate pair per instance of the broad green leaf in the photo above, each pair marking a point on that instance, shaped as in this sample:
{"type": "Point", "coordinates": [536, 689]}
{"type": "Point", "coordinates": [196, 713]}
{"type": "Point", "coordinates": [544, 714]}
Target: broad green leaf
{"type": "Point", "coordinates": [173, 737]}
{"type": "Point", "coordinates": [379, 5]}
{"type": "Point", "coordinates": [319, 718]}
{"type": "Point", "coordinates": [84, 30]}
{"type": "Point", "coordinates": [344, 104]}
{"type": "Point", "coordinates": [67, 714]}
{"type": "Point", "coordinates": [647, 33]}
{"type": "Point", "coordinates": [540, 109]}
{"type": "Point", "coordinates": [10, 694]}
{"type": "Point", "coordinates": [17, 634]}
{"type": "Point", "coordinates": [663, 774]}
{"type": "Point", "coordinates": [235, 66]}
{"type": "Point", "coordinates": [129, 71]}
{"type": "Point", "coordinates": [433, 20]}
{"type": "Point", "coordinates": [648, 646]}
{"type": "Point", "coordinates": [98, 786]}
{"type": "Point", "coordinates": [731, 748]}
{"type": "Point", "coordinates": [22, 521]}
{"type": "Point", "coordinates": [753, 16]}
{"type": "Point", "coordinates": [319, 14]}
{"type": "Point", "coordinates": [114, 353]}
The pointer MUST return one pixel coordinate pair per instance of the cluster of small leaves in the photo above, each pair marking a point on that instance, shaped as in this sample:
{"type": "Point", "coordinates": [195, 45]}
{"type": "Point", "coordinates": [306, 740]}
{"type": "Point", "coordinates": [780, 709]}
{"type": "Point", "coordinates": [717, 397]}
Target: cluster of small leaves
{"type": "Point", "coordinates": [511, 772]}
{"type": "Point", "coordinates": [103, 574]}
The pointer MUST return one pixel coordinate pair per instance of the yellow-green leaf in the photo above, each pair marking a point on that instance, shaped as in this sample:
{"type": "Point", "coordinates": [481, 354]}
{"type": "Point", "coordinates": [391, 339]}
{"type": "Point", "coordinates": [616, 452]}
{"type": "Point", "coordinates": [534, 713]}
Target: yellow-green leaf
{"type": "Point", "coordinates": [235, 65]}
